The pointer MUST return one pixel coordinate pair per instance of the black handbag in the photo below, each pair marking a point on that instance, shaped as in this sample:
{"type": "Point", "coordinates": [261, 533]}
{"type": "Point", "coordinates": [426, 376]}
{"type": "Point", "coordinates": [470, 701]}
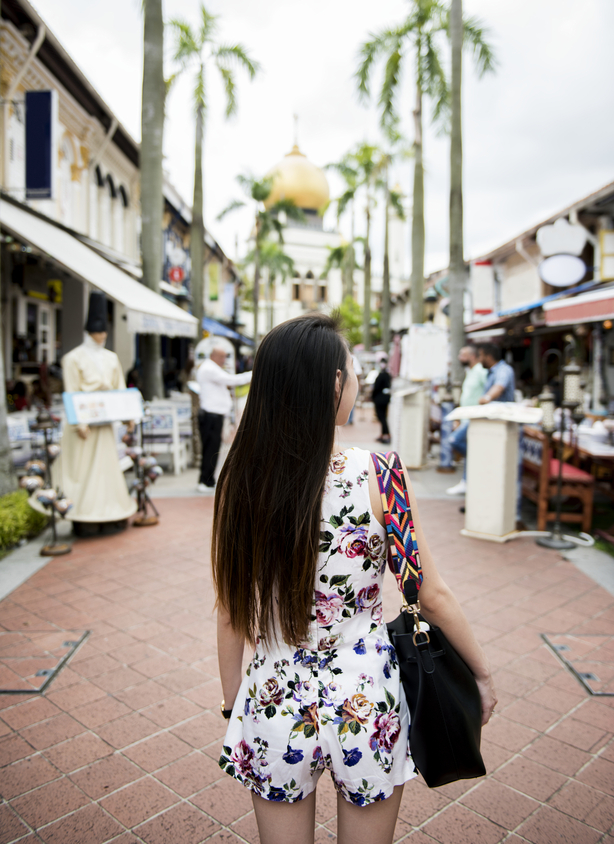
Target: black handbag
{"type": "Point", "coordinates": [442, 695]}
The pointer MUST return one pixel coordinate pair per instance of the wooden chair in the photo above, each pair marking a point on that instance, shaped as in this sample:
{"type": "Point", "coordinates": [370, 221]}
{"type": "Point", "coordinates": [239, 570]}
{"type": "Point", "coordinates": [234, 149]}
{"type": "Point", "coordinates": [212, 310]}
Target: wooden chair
{"type": "Point", "coordinates": [540, 472]}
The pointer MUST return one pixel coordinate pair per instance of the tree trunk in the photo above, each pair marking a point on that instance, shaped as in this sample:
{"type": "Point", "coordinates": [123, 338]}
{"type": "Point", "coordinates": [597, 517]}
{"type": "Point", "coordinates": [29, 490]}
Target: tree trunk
{"type": "Point", "coordinates": [417, 223]}
{"type": "Point", "coordinates": [197, 229]}
{"type": "Point", "coordinates": [269, 299]}
{"type": "Point", "coordinates": [366, 310]}
{"type": "Point", "coordinates": [152, 129]}
{"type": "Point", "coordinates": [256, 288]}
{"type": "Point", "coordinates": [352, 256]}
{"type": "Point", "coordinates": [8, 478]}
{"type": "Point", "coordinates": [457, 263]}
{"type": "Point", "coordinates": [385, 318]}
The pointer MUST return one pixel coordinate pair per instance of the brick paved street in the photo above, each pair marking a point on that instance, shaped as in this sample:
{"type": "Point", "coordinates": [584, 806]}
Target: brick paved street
{"type": "Point", "coordinates": [123, 745]}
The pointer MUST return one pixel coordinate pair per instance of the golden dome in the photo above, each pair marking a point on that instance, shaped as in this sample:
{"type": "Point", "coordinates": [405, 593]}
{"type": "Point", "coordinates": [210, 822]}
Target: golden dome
{"type": "Point", "coordinates": [295, 177]}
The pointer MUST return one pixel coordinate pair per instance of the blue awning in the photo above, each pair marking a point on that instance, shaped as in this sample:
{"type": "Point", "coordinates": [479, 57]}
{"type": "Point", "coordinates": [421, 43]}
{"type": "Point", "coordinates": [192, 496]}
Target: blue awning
{"type": "Point", "coordinates": [221, 330]}
{"type": "Point", "coordinates": [519, 309]}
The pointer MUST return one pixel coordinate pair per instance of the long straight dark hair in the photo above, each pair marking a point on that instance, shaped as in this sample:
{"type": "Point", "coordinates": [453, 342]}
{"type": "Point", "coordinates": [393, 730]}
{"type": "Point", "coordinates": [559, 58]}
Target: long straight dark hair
{"type": "Point", "coordinates": [266, 526]}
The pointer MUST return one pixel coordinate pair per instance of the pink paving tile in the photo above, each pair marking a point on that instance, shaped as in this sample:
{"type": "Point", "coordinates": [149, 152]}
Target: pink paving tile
{"type": "Point", "coordinates": [202, 730]}
{"type": "Point", "coordinates": [49, 802]}
{"type": "Point", "coordinates": [128, 730]}
{"type": "Point", "coordinates": [139, 801]}
{"type": "Point", "coordinates": [191, 774]}
{"type": "Point", "coordinates": [13, 748]}
{"type": "Point", "coordinates": [100, 711]}
{"type": "Point", "coordinates": [227, 801]}
{"type": "Point", "coordinates": [508, 734]}
{"type": "Point", "coordinates": [28, 712]}
{"type": "Point", "coordinates": [548, 826]}
{"type": "Point", "coordinates": [11, 828]}
{"type": "Point", "coordinates": [576, 800]}
{"type": "Point", "coordinates": [26, 775]}
{"type": "Point", "coordinates": [500, 804]}
{"type": "Point", "coordinates": [157, 751]}
{"type": "Point", "coordinates": [531, 714]}
{"type": "Point", "coordinates": [78, 752]}
{"type": "Point", "coordinates": [580, 734]}
{"type": "Point", "coordinates": [89, 825]}
{"type": "Point", "coordinates": [169, 712]}
{"type": "Point", "coordinates": [456, 825]}
{"type": "Point", "coordinates": [143, 695]}
{"type": "Point", "coordinates": [557, 755]}
{"type": "Point", "coordinates": [106, 776]}
{"type": "Point", "coordinates": [56, 729]}
{"type": "Point", "coordinates": [530, 778]}
{"type": "Point", "coordinates": [599, 774]}
{"type": "Point", "coordinates": [183, 824]}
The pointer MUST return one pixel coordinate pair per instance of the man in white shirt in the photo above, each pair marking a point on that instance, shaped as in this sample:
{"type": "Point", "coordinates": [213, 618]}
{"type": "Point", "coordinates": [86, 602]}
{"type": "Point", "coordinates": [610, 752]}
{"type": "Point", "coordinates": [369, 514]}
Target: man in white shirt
{"type": "Point", "coordinates": [215, 404]}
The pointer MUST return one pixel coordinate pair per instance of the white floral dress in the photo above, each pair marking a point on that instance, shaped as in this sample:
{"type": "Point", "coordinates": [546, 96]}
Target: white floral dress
{"type": "Point", "coordinates": [337, 702]}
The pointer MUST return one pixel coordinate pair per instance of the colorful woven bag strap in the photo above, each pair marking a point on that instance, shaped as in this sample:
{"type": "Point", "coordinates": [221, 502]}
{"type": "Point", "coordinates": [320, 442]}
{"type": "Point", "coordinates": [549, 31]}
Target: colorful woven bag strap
{"type": "Point", "coordinates": [399, 523]}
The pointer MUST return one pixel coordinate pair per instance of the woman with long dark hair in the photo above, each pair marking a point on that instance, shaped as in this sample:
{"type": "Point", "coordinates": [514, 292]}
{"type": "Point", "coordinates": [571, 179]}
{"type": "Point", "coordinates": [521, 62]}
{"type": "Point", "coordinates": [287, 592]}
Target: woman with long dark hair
{"type": "Point", "coordinates": [299, 552]}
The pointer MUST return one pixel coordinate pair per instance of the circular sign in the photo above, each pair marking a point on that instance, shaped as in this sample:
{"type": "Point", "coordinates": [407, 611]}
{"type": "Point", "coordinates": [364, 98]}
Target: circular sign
{"type": "Point", "coordinates": [562, 270]}
{"type": "Point", "coordinates": [176, 274]}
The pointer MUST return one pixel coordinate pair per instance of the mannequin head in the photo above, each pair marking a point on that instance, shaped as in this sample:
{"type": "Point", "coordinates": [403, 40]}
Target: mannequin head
{"type": "Point", "coordinates": [99, 337]}
{"type": "Point", "coordinates": [97, 324]}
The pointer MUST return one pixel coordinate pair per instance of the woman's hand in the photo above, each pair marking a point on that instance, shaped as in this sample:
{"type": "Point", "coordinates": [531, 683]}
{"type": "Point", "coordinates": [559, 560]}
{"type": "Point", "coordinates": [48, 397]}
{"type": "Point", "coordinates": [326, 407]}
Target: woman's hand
{"type": "Point", "coordinates": [488, 696]}
{"type": "Point", "coordinates": [83, 431]}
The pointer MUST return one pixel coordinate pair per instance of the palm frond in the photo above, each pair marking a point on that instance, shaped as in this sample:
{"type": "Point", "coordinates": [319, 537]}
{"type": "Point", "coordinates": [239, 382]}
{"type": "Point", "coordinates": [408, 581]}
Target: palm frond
{"type": "Point", "coordinates": [368, 53]}
{"type": "Point", "coordinates": [233, 206]}
{"type": "Point", "coordinates": [237, 54]}
{"type": "Point", "coordinates": [434, 80]}
{"type": "Point", "coordinates": [229, 88]}
{"type": "Point", "coordinates": [474, 36]}
{"type": "Point", "coordinates": [208, 26]}
{"type": "Point", "coordinates": [389, 118]}
{"type": "Point", "coordinates": [186, 45]}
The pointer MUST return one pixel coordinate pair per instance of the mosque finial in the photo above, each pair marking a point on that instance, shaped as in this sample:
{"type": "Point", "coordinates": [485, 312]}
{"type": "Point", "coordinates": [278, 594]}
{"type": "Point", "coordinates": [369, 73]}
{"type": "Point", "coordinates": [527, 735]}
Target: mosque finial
{"type": "Point", "coordinates": [295, 130]}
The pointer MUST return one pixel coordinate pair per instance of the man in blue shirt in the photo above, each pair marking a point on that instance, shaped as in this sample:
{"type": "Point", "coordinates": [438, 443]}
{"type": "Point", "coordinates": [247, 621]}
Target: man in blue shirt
{"type": "Point", "coordinates": [500, 381]}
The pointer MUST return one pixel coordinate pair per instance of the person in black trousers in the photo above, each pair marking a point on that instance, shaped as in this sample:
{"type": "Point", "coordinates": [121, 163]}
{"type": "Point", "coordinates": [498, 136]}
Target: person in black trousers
{"type": "Point", "coordinates": [381, 399]}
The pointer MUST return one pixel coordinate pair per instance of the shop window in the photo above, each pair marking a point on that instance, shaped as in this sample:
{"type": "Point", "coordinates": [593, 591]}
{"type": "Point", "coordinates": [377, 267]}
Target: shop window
{"type": "Point", "coordinates": [309, 275]}
{"type": "Point", "coordinates": [296, 292]}
{"type": "Point", "coordinates": [322, 293]}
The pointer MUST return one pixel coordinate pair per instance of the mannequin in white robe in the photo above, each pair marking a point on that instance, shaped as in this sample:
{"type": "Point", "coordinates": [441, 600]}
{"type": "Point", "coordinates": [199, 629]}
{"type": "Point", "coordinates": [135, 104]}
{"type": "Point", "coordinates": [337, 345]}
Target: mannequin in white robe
{"type": "Point", "coordinates": [88, 470]}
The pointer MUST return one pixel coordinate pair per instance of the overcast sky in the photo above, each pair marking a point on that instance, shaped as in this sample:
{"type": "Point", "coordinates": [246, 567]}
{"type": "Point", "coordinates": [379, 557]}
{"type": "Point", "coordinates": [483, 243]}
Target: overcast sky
{"type": "Point", "coordinates": [538, 134]}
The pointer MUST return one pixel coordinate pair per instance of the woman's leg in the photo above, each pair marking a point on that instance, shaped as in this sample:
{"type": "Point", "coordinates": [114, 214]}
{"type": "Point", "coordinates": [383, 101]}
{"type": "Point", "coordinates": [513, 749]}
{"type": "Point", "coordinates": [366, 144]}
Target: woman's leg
{"type": "Point", "coordinates": [286, 823]}
{"type": "Point", "coordinates": [372, 824]}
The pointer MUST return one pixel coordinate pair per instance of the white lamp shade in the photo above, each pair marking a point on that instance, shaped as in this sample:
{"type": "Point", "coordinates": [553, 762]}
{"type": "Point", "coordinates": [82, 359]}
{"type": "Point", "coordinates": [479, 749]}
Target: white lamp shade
{"type": "Point", "coordinates": [562, 270]}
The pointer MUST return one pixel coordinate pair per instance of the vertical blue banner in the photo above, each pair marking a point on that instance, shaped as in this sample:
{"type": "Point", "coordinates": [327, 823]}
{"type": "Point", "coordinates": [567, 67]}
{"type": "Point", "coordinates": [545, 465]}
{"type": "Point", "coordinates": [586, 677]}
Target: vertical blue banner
{"type": "Point", "coordinates": [39, 145]}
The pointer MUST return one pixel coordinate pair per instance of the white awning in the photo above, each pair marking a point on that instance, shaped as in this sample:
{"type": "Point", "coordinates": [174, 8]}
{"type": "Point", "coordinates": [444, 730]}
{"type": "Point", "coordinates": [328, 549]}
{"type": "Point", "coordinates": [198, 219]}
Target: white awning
{"type": "Point", "coordinates": [148, 312]}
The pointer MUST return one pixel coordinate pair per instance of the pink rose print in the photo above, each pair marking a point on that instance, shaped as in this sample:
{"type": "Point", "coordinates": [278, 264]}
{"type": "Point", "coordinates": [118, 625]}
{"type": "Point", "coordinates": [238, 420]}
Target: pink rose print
{"type": "Point", "coordinates": [387, 729]}
{"type": "Point", "coordinates": [243, 758]}
{"type": "Point", "coordinates": [270, 693]}
{"type": "Point", "coordinates": [367, 597]}
{"type": "Point", "coordinates": [353, 540]}
{"type": "Point", "coordinates": [328, 608]}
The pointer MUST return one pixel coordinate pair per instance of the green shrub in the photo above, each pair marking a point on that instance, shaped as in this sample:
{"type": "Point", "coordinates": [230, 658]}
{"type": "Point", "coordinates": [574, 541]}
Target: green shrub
{"type": "Point", "coordinates": [18, 520]}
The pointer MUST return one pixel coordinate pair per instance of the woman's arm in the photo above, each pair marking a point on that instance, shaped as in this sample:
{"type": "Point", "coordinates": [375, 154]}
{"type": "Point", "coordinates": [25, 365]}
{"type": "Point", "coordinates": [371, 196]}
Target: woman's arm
{"type": "Point", "coordinates": [439, 606]}
{"type": "Point", "coordinates": [230, 656]}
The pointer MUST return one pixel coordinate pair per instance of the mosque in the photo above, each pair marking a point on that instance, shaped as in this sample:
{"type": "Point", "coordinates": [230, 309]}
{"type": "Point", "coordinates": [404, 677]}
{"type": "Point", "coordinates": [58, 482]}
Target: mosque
{"type": "Point", "coordinates": [308, 243]}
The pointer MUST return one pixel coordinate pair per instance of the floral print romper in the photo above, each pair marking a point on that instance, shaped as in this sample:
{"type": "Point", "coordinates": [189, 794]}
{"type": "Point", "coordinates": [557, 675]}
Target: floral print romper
{"type": "Point", "coordinates": [336, 703]}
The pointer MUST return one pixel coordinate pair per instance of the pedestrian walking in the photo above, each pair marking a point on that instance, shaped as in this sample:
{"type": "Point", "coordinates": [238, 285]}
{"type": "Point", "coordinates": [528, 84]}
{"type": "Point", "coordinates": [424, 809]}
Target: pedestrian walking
{"type": "Point", "coordinates": [215, 404]}
{"type": "Point", "coordinates": [299, 553]}
{"type": "Point", "coordinates": [380, 396]}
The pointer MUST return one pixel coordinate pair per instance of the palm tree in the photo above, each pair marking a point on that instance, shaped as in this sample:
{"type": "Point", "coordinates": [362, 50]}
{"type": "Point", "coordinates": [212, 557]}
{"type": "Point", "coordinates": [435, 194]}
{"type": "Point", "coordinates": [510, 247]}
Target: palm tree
{"type": "Point", "coordinates": [8, 479]}
{"type": "Point", "coordinates": [349, 174]}
{"type": "Point", "coordinates": [368, 161]}
{"type": "Point", "coordinates": [277, 262]}
{"type": "Point", "coordinates": [418, 35]}
{"type": "Point", "coordinates": [152, 130]}
{"type": "Point", "coordinates": [199, 47]}
{"type": "Point", "coordinates": [344, 258]}
{"type": "Point", "coordinates": [266, 221]}
{"type": "Point", "coordinates": [393, 200]}
{"type": "Point", "coordinates": [474, 35]}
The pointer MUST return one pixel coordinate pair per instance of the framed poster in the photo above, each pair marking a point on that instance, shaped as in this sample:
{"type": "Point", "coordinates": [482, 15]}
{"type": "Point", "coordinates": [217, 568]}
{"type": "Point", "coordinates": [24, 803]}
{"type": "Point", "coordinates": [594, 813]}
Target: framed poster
{"type": "Point", "coordinates": [101, 408]}
{"type": "Point", "coordinates": [425, 353]}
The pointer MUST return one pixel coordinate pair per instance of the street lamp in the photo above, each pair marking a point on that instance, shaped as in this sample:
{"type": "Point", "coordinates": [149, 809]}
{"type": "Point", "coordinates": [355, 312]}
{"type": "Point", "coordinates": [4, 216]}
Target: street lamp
{"type": "Point", "coordinates": [572, 400]}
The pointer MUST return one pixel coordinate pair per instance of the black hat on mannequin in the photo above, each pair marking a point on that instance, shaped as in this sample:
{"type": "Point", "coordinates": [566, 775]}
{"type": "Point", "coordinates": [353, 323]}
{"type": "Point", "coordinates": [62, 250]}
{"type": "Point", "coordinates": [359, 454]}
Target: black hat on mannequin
{"type": "Point", "coordinates": [97, 313]}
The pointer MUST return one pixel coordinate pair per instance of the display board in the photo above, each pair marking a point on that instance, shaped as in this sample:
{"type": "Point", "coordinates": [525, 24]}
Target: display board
{"type": "Point", "coordinates": [100, 408]}
{"type": "Point", "coordinates": [425, 353]}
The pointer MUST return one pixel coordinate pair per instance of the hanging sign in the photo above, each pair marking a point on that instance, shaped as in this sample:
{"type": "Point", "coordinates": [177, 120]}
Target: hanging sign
{"type": "Point", "coordinates": [104, 406]}
{"type": "Point", "coordinates": [176, 274]}
{"type": "Point", "coordinates": [41, 110]}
